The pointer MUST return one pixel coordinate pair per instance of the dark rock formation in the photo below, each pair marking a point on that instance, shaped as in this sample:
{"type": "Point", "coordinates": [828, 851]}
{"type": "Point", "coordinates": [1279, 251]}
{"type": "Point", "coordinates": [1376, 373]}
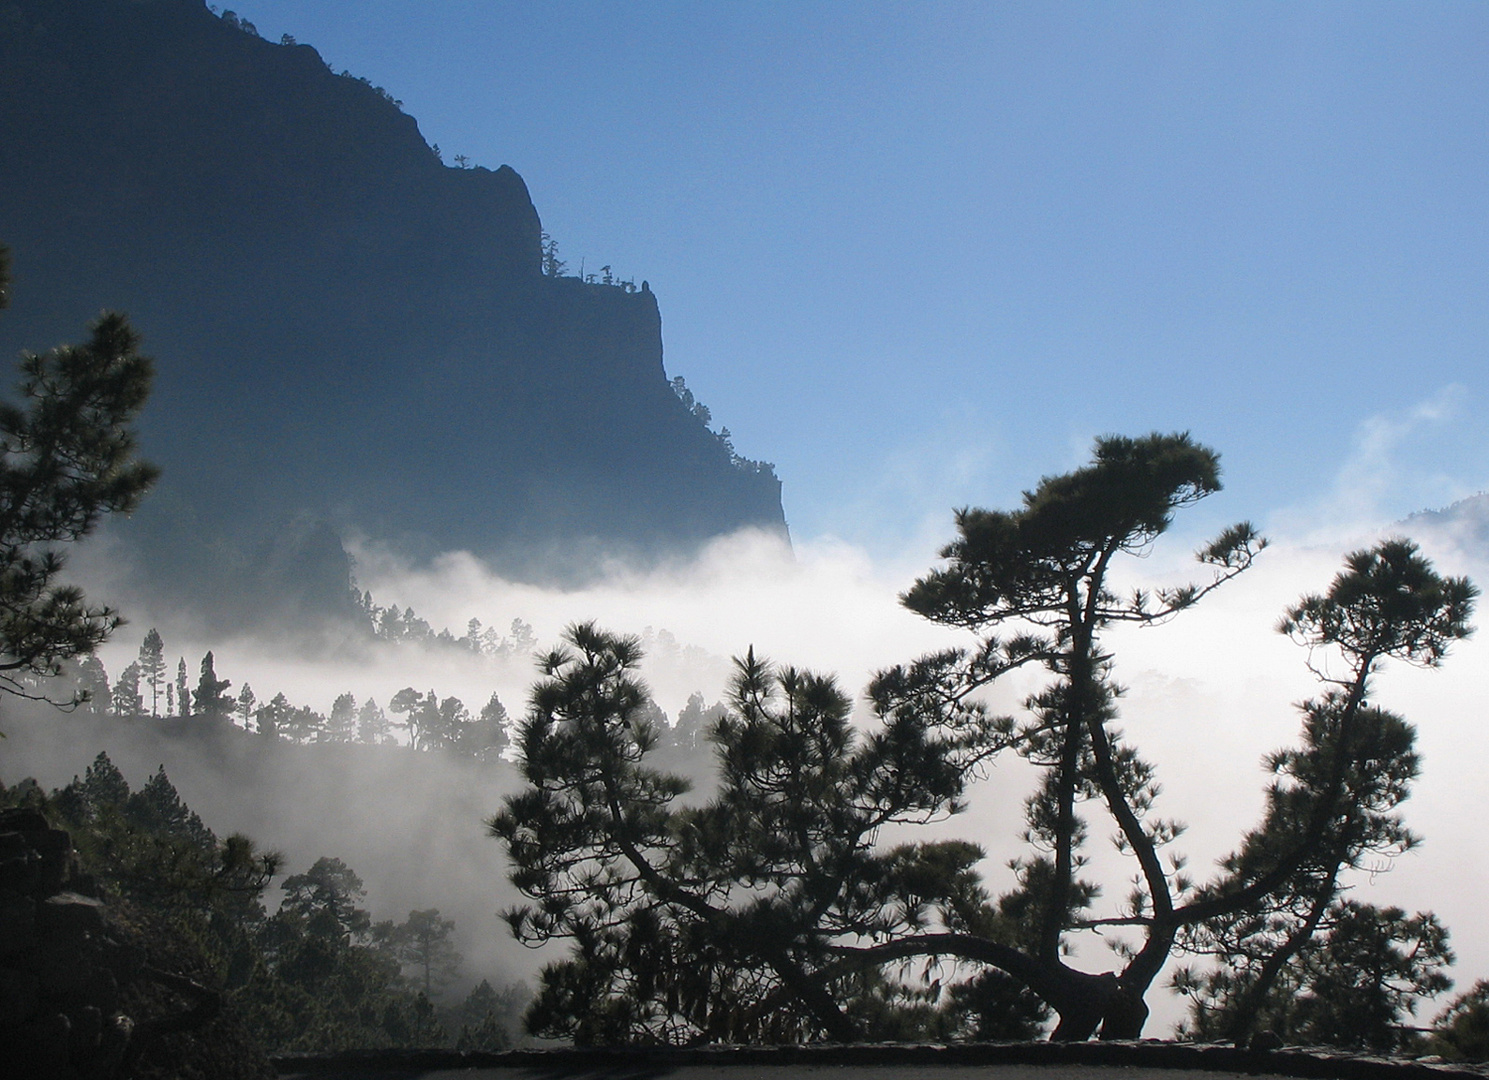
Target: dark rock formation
{"type": "Point", "coordinates": [344, 327]}
{"type": "Point", "coordinates": [69, 972]}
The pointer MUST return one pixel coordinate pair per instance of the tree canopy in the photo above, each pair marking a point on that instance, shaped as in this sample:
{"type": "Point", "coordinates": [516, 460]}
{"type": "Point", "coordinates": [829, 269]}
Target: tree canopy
{"type": "Point", "coordinates": [719, 920]}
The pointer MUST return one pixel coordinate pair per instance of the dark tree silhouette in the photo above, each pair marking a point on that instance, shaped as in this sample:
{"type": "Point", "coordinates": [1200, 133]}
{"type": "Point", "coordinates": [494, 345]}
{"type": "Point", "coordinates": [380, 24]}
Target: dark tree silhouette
{"type": "Point", "coordinates": [720, 921]}
{"type": "Point", "coordinates": [211, 697]}
{"type": "Point", "coordinates": [1331, 809]}
{"type": "Point", "coordinates": [1388, 602]}
{"type": "Point", "coordinates": [326, 897]}
{"type": "Point", "coordinates": [126, 699]}
{"type": "Point", "coordinates": [244, 708]}
{"type": "Point", "coordinates": [94, 692]}
{"type": "Point", "coordinates": [272, 718]}
{"type": "Point", "coordinates": [1045, 567]}
{"type": "Point", "coordinates": [770, 912]}
{"type": "Point", "coordinates": [1462, 1030]}
{"type": "Point", "coordinates": [67, 458]}
{"type": "Point", "coordinates": [152, 667]}
{"type": "Point", "coordinates": [372, 723]}
{"type": "Point", "coordinates": [423, 943]}
{"type": "Point", "coordinates": [183, 696]}
{"type": "Point", "coordinates": [1355, 982]}
{"type": "Point", "coordinates": [486, 1016]}
{"type": "Point", "coordinates": [486, 737]}
{"type": "Point", "coordinates": [341, 724]}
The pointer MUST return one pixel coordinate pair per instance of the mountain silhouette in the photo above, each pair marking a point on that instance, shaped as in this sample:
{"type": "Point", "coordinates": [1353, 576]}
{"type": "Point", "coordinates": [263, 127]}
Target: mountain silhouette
{"type": "Point", "coordinates": [1465, 524]}
{"type": "Point", "coordinates": [350, 336]}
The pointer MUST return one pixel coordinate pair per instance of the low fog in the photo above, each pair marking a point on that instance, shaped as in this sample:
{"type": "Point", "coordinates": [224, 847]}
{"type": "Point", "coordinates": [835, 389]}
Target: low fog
{"type": "Point", "coordinates": [1208, 695]}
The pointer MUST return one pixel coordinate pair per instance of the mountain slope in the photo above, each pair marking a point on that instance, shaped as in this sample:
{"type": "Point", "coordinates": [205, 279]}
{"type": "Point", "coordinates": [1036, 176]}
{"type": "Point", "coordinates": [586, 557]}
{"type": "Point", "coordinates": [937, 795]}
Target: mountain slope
{"type": "Point", "coordinates": [346, 330]}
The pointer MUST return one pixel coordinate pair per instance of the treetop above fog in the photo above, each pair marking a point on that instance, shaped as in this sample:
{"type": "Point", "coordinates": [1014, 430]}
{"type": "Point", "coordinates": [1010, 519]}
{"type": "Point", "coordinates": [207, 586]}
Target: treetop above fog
{"type": "Point", "coordinates": [770, 911]}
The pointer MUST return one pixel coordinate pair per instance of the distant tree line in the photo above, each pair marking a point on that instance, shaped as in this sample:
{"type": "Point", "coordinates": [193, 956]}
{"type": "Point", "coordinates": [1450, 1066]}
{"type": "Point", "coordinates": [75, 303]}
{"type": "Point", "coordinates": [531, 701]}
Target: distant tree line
{"type": "Point", "coordinates": [555, 267]}
{"type": "Point", "coordinates": [233, 19]}
{"type": "Point", "coordinates": [392, 624]}
{"type": "Point", "coordinates": [424, 721]}
{"type": "Point", "coordinates": [237, 22]}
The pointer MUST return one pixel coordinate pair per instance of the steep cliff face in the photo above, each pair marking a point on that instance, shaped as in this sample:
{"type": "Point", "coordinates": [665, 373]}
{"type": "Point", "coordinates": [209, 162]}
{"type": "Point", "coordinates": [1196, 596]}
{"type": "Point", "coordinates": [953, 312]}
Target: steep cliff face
{"type": "Point", "coordinates": [344, 327]}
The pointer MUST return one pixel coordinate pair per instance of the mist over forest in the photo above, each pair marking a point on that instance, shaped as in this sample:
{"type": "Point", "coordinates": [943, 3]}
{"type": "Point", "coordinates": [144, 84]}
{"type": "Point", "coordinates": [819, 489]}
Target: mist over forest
{"type": "Point", "coordinates": [471, 691]}
{"type": "Point", "coordinates": [407, 813]}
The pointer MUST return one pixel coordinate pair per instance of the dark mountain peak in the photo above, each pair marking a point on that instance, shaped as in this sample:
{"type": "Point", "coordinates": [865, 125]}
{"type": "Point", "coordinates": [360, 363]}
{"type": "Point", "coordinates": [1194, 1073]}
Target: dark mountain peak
{"type": "Point", "coordinates": [344, 326]}
{"type": "Point", "coordinates": [157, 116]}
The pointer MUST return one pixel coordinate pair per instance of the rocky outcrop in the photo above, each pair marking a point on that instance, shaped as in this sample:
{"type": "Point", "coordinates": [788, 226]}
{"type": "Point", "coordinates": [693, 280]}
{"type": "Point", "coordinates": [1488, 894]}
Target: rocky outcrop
{"type": "Point", "coordinates": [68, 971]}
{"type": "Point", "coordinates": [59, 974]}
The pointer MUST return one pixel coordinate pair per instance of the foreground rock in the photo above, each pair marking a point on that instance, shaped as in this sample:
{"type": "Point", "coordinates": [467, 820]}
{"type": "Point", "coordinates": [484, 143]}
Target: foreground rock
{"type": "Point", "coordinates": [95, 994]}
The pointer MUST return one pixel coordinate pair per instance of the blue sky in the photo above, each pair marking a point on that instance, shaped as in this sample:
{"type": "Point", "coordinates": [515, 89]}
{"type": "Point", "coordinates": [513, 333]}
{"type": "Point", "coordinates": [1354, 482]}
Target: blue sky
{"type": "Point", "coordinates": [920, 254]}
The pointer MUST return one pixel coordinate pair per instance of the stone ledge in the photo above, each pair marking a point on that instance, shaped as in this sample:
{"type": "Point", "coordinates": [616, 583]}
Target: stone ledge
{"type": "Point", "coordinates": [1311, 1063]}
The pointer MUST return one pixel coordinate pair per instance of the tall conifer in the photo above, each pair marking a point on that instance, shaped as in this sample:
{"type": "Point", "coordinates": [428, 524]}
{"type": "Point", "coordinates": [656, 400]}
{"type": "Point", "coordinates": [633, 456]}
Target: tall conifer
{"type": "Point", "coordinates": [152, 667]}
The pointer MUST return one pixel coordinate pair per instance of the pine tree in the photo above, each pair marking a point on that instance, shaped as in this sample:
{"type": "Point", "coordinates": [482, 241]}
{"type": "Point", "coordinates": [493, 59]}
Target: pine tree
{"type": "Point", "coordinates": [425, 722]}
{"type": "Point", "coordinates": [183, 696]}
{"type": "Point", "coordinates": [373, 726]}
{"type": "Point", "coordinates": [1462, 1029]}
{"type": "Point", "coordinates": [303, 725]}
{"type": "Point", "coordinates": [771, 911]}
{"type": "Point", "coordinates": [126, 693]}
{"type": "Point", "coordinates": [103, 786]}
{"type": "Point", "coordinates": [246, 701]}
{"type": "Point", "coordinates": [67, 459]}
{"type": "Point", "coordinates": [327, 898]}
{"type": "Point", "coordinates": [486, 737]}
{"type": "Point", "coordinates": [152, 667]}
{"type": "Point", "coordinates": [423, 943]}
{"type": "Point", "coordinates": [157, 807]}
{"type": "Point", "coordinates": [211, 701]}
{"type": "Point", "coordinates": [341, 725]}
{"type": "Point", "coordinates": [93, 686]}
{"type": "Point", "coordinates": [1330, 812]}
{"type": "Point", "coordinates": [271, 718]}
{"type": "Point", "coordinates": [481, 1016]}
{"type": "Point", "coordinates": [690, 733]}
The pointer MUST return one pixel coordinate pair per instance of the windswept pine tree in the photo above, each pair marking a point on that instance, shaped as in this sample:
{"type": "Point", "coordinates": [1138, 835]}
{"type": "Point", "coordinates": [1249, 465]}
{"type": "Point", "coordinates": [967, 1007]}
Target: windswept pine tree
{"type": "Point", "coordinates": [771, 911]}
